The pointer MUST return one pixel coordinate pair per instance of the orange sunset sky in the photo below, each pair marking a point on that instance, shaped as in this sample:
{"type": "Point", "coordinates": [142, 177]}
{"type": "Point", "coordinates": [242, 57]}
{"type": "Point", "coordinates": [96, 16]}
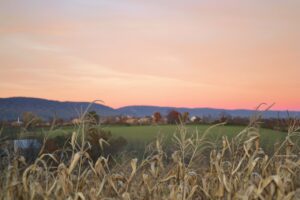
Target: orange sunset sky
{"type": "Point", "coordinates": [205, 53]}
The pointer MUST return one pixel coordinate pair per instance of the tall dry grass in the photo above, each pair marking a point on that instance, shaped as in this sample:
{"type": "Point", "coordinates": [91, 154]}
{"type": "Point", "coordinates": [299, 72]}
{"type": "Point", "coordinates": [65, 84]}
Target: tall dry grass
{"type": "Point", "coordinates": [197, 169]}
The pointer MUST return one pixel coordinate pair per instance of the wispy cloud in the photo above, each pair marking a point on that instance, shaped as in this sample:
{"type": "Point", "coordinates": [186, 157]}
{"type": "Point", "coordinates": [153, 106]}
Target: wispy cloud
{"type": "Point", "coordinates": [205, 53]}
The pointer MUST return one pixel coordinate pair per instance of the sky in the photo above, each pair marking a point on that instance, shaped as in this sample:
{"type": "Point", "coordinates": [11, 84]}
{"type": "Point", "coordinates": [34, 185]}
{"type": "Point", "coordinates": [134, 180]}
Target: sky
{"type": "Point", "coordinates": [205, 53]}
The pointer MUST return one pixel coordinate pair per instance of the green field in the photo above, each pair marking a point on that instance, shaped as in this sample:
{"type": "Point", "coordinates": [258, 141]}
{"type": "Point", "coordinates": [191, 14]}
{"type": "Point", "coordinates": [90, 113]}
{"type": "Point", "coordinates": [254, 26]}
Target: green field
{"type": "Point", "coordinates": [139, 136]}
{"type": "Point", "coordinates": [146, 134]}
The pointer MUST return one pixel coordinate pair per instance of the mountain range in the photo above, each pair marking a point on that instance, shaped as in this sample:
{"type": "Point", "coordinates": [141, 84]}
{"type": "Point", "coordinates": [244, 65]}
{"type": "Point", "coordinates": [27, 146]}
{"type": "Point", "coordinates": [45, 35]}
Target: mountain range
{"type": "Point", "coordinates": [12, 108]}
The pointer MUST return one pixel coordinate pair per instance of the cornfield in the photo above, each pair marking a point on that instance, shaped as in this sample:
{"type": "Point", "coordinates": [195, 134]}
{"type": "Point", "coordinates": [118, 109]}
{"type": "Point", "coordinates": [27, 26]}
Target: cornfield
{"type": "Point", "coordinates": [195, 169]}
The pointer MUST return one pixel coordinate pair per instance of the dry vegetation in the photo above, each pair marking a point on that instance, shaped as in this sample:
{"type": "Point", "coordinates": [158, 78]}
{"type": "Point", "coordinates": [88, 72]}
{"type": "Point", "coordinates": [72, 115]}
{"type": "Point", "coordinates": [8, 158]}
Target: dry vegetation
{"type": "Point", "coordinates": [196, 169]}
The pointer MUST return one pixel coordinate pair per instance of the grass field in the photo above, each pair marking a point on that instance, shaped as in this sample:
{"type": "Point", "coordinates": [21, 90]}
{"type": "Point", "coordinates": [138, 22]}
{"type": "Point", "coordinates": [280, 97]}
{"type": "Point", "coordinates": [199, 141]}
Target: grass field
{"type": "Point", "coordinates": [139, 136]}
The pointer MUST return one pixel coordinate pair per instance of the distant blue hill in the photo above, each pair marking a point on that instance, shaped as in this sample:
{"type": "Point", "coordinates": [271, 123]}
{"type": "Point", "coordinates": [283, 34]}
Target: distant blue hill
{"type": "Point", "coordinates": [149, 110]}
{"type": "Point", "coordinates": [12, 108]}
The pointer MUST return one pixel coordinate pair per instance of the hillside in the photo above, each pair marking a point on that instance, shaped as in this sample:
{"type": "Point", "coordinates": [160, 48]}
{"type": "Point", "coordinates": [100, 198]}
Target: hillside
{"type": "Point", "coordinates": [149, 110]}
{"type": "Point", "coordinates": [11, 108]}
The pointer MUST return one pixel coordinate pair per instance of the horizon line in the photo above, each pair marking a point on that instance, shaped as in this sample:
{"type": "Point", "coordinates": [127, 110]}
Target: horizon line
{"type": "Point", "coordinates": [151, 105]}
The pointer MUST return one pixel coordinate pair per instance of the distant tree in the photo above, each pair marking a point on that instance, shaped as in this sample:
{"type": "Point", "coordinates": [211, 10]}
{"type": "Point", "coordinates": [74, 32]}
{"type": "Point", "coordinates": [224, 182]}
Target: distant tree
{"type": "Point", "coordinates": [195, 119]}
{"type": "Point", "coordinates": [157, 117]}
{"type": "Point", "coordinates": [112, 120]}
{"type": "Point", "coordinates": [224, 116]}
{"type": "Point", "coordinates": [59, 122]}
{"type": "Point", "coordinates": [207, 119]}
{"type": "Point", "coordinates": [185, 117]}
{"type": "Point", "coordinates": [30, 119]}
{"type": "Point", "coordinates": [173, 117]}
{"type": "Point", "coordinates": [239, 121]}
